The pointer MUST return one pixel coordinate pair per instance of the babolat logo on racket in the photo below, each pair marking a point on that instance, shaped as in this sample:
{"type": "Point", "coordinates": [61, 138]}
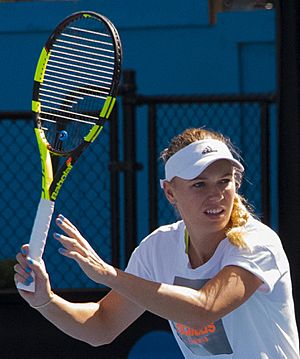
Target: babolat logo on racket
{"type": "Point", "coordinates": [62, 179]}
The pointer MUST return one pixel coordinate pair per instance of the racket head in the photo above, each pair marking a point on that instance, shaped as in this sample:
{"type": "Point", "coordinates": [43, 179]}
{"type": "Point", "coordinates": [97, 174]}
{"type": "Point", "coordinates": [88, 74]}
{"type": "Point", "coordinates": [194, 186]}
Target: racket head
{"type": "Point", "coordinates": [76, 81]}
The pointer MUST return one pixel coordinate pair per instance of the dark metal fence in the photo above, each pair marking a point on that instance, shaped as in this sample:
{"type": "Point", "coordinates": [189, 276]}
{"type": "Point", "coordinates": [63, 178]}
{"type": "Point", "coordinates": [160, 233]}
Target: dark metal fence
{"type": "Point", "coordinates": [245, 119]}
{"type": "Point", "coordinates": [92, 199]}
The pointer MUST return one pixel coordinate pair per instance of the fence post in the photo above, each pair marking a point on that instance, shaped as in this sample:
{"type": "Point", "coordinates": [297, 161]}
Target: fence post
{"type": "Point", "coordinates": [265, 161]}
{"type": "Point", "coordinates": [152, 170]}
{"type": "Point", "coordinates": [288, 18]}
{"type": "Point", "coordinates": [114, 188]}
{"type": "Point", "coordinates": [129, 165]}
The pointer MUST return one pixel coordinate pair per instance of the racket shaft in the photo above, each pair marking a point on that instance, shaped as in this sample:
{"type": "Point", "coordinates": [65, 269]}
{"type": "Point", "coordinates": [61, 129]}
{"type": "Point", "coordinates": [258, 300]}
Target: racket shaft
{"type": "Point", "coordinates": [39, 235]}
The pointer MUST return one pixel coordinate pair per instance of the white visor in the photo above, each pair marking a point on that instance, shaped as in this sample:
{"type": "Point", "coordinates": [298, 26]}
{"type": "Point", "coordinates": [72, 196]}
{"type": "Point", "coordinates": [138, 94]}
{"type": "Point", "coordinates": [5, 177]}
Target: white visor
{"type": "Point", "coordinates": [192, 160]}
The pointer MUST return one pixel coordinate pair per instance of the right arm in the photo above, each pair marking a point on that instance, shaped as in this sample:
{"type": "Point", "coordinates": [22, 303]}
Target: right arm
{"type": "Point", "coordinates": [94, 323]}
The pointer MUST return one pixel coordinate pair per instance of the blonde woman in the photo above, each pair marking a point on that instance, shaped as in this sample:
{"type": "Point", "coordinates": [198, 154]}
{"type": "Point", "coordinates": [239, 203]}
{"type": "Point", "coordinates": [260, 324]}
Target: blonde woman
{"type": "Point", "coordinates": [218, 275]}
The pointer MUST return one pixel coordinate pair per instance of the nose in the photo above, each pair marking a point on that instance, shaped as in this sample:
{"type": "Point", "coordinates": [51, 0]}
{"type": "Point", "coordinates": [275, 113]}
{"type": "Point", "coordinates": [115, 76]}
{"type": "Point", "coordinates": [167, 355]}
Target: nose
{"type": "Point", "coordinates": [215, 194]}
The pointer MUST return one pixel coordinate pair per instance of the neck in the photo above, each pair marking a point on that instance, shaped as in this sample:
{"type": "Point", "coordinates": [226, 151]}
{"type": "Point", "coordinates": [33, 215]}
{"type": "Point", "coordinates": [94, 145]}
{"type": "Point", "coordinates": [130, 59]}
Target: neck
{"type": "Point", "coordinates": [200, 249]}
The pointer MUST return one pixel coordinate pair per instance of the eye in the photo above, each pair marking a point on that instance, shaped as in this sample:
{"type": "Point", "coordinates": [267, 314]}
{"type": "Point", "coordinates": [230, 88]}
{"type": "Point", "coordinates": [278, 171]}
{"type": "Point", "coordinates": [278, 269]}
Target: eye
{"type": "Point", "coordinates": [226, 181]}
{"type": "Point", "coordinates": [199, 184]}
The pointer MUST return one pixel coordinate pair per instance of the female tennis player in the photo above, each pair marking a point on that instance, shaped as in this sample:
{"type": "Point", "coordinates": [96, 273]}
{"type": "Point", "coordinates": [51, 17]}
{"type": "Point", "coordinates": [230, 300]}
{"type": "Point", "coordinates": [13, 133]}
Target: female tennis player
{"type": "Point", "coordinates": [219, 275]}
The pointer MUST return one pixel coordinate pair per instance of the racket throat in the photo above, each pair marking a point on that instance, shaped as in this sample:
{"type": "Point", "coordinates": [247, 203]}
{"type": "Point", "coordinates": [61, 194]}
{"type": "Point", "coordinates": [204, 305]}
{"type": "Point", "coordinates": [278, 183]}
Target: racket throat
{"type": "Point", "coordinates": [64, 171]}
{"type": "Point", "coordinates": [61, 175]}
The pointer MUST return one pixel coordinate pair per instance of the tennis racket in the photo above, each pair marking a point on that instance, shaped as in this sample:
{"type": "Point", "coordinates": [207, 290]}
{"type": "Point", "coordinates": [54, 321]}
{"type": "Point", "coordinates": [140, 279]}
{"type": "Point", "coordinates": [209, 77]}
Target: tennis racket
{"type": "Point", "coordinates": [74, 92]}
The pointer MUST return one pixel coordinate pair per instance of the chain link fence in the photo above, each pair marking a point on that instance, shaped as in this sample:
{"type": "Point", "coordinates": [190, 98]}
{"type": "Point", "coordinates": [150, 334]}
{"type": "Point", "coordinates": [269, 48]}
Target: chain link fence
{"type": "Point", "coordinates": [85, 199]}
{"type": "Point", "coordinates": [231, 119]}
{"type": "Point", "coordinates": [244, 119]}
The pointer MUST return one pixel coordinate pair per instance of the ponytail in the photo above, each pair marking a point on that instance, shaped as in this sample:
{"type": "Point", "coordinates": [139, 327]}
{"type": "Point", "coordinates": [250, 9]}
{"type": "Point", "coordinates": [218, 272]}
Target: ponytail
{"type": "Point", "coordinates": [239, 217]}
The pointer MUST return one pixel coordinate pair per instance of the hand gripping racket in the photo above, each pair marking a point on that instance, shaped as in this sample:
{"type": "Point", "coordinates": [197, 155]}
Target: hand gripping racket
{"type": "Point", "coordinates": [75, 88]}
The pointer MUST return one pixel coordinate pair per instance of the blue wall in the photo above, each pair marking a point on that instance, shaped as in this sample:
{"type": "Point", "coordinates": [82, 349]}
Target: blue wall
{"type": "Point", "coordinates": [174, 49]}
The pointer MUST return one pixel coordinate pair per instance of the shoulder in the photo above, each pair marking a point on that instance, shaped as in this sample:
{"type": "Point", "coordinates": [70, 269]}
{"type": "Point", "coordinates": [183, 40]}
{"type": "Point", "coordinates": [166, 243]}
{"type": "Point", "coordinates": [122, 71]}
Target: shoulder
{"type": "Point", "coordinates": [164, 236]}
{"type": "Point", "coordinates": [264, 255]}
{"type": "Point", "coordinates": [168, 229]}
{"type": "Point", "coordinates": [261, 235]}
{"type": "Point", "coordinates": [156, 250]}
{"type": "Point", "coordinates": [259, 238]}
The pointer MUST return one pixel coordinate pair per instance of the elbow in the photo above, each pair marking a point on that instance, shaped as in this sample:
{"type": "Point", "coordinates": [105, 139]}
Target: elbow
{"type": "Point", "coordinates": [99, 341]}
{"type": "Point", "coordinates": [204, 322]}
{"type": "Point", "coordinates": [96, 343]}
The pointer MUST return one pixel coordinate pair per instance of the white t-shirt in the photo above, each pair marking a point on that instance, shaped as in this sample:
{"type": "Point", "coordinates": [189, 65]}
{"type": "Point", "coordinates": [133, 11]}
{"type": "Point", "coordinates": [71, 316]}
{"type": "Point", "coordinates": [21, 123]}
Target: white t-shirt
{"type": "Point", "coordinates": [264, 327]}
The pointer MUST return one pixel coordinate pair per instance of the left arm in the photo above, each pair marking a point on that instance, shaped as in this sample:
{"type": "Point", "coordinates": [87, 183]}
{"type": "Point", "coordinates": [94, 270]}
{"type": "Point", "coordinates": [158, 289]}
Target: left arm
{"type": "Point", "coordinates": [230, 288]}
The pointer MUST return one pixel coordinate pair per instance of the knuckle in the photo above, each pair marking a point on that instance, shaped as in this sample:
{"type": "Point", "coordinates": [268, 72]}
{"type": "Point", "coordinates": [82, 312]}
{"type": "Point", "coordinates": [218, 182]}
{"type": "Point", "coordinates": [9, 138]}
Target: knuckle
{"type": "Point", "coordinates": [74, 245]}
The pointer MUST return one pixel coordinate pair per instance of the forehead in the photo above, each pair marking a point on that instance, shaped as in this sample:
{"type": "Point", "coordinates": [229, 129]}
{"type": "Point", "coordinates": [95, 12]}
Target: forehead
{"type": "Point", "coordinates": [219, 167]}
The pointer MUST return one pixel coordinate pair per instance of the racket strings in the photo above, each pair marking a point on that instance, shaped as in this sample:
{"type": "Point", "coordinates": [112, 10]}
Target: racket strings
{"type": "Point", "coordinates": [90, 40]}
{"type": "Point", "coordinates": [79, 91]}
{"type": "Point", "coordinates": [102, 67]}
{"type": "Point", "coordinates": [83, 52]}
{"type": "Point", "coordinates": [89, 89]}
{"type": "Point", "coordinates": [73, 113]}
{"type": "Point", "coordinates": [75, 76]}
{"type": "Point", "coordinates": [85, 58]}
{"type": "Point", "coordinates": [73, 43]}
{"type": "Point", "coordinates": [77, 81]}
{"type": "Point", "coordinates": [89, 31]}
{"type": "Point", "coordinates": [79, 72]}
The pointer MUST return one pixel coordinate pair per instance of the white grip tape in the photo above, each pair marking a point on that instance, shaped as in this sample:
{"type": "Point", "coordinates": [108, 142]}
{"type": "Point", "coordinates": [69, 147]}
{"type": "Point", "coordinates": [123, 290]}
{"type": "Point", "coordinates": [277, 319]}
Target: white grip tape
{"type": "Point", "coordinates": [39, 236]}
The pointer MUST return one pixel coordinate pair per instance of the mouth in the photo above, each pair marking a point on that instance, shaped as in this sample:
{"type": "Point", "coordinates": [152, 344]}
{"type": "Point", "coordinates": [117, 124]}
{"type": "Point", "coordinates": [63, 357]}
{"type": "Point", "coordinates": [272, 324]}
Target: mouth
{"type": "Point", "coordinates": [214, 212]}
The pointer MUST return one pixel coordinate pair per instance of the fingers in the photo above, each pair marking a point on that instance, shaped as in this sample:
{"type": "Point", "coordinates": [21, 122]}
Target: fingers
{"type": "Point", "coordinates": [66, 221]}
{"type": "Point", "coordinates": [23, 269]}
{"type": "Point", "coordinates": [27, 270]}
{"type": "Point", "coordinates": [67, 226]}
{"type": "Point", "coordinates": [70, 244]}
{"type": "Point", "coordinates": [26, 267]}
{"type": "Point", "coordinates": [69, 229]}
{"type": "Point", "coordinates": [76, 248]}
{"type": "Point", "coordinates": [23, 274]}
{"type": "Point", "coordinates": [74, 239]}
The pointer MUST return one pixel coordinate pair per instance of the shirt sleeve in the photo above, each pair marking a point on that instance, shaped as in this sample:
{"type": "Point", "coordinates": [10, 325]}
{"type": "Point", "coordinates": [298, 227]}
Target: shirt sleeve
{"type": "Point", "coordinates": [138, 263]}
{"type": "Point", "coordinates": [267, 262]}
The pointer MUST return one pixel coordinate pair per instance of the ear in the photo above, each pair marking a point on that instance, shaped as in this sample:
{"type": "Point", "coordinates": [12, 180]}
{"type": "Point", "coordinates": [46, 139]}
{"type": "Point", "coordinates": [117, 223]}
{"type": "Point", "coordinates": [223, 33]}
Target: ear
{"type": "Point", "coordinates": [169, 192]}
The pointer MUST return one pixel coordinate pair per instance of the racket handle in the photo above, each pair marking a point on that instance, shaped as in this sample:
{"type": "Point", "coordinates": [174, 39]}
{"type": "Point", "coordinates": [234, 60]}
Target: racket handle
{"type": "Point", "coordinates": [39, 236]}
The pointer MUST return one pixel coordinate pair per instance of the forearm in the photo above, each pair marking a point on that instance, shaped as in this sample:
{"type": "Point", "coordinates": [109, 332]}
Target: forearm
{"type": "Point", "coordinates": [78, 320]}
{"type": "Point", "coordinates": [179, 304]}
{"type": "Point", "coordinates": [230, 288]}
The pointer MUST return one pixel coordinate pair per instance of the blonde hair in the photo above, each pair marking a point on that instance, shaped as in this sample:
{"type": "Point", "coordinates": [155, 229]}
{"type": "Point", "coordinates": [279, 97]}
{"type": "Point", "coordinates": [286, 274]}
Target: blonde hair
{"type": "Point", "coordinates": [240, 211]}
{"type": "Point", "coordinates": [239, 217]}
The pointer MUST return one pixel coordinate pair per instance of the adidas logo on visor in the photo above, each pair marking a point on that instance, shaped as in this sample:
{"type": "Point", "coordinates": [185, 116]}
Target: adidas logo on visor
{"type": "Point", "coordinates": [208, 149]}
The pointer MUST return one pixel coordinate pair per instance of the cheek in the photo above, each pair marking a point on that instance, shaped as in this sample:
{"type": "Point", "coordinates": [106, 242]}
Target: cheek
{"type": "Point", "coordinates": [230, 195]}
{"type": "Point", "coordinates": [185, 202]}
{"type": "Point", "coordinates": [231, 186]}
{"type": "Point", "coordinates": [231, 208]}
